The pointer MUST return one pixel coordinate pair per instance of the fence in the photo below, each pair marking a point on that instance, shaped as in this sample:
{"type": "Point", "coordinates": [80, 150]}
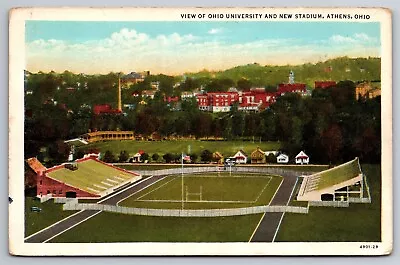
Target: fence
{"type": "Point", "coordinates": [336, 204]}
{"type": "Point", "coordinates": [195, 170]}
{"type": "Point", "coordinates": [65, 200]}
{"type": "Point", "coordinates": [359, 200]}
{"type": "Point", "coordinates": [183, 213]}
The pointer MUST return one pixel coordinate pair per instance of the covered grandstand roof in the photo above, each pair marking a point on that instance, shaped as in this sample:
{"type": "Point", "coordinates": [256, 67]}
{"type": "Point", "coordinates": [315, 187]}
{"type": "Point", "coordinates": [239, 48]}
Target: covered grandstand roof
{"type": "Point", "coordinates": [329, 180]}
{"type": "Point", "coordinates": [91, 175]}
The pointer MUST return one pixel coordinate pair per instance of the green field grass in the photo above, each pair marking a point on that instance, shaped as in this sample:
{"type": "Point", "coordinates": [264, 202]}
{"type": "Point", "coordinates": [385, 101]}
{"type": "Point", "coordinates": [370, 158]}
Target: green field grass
{"type": "Point", "coordinates": [36, 221]}
{"type": "Point", "coordinates": [218, 191]}
{"type": "Point", "coordinates": [90, 172]}
{"type": "Point", "coordinates": [227, 148]}
{"type": "Point", "coordinates": [358, 222]}
{"type": "Point", "coordinates": [112, 227]}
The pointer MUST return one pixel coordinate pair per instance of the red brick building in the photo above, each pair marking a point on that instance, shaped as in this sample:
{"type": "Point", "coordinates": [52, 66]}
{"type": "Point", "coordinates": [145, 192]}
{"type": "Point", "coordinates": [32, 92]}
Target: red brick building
{"type": "Point", "coordinates": [292, 88]}
{"type": "Point", "coordinates": [85, 178]}
{"type": "Point", "coordinates": [324, 84]}
{"type": "Point", "coordinates": [105, 109]}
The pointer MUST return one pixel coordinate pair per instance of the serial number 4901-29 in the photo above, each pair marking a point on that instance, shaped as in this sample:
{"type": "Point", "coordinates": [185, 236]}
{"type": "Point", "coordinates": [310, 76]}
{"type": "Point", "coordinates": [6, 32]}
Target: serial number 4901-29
{"type": "Point", "coordinates": [369, 246]}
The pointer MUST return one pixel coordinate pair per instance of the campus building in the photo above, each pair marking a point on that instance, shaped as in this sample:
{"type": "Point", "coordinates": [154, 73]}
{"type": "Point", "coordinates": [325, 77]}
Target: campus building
{"type": "Point", "coordinates": [85, 178]}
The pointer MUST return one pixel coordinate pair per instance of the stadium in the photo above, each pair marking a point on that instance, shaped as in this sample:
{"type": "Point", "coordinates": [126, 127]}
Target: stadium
{"type": "Point", "coordinates": [257, 199]}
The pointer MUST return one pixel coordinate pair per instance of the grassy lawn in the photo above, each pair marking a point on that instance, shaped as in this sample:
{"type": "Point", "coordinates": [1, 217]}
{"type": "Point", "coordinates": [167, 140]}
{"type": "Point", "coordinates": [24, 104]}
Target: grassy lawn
{"type": "Point", "coordinates": [218, 191]}
{"type": "Point", "coordinates": [358, 222]}
{"type": "Point", "coordinates": [111, 227]}
{"type": "Point", "coordinates": [227, 148]}
{"type": "Point", "coordinates": [51, 213]}
{"type": "Point", "coordinates": [89, 174]}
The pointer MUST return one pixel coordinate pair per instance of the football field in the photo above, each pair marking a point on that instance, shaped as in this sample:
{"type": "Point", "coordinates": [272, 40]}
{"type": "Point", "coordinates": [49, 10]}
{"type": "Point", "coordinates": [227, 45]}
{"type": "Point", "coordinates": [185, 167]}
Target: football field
{"type": "Point", "coordinates": [206, 191]}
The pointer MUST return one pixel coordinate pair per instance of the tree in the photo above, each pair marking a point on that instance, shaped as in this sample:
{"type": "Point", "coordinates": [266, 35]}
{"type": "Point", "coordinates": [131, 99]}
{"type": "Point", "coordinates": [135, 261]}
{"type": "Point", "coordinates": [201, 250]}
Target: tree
{"type": "Point", "coordinates": [123, 156]}
{"type": "Point", "coordinates": [144, 157]}
{"type": "Point", "coordinates": [271, 158]}
{"type": "Point", "coordinates": [206, 156]}
{"type": "Point", "coordinates": [108, 157]}
{"type": "Point", "coordinates": [244, 84]}
{"type": "Point", "coordinates": [332, 142]}
{"type": "Point", "coordinates": [155, 157]}
{"type": "Point", "coordinates": [168, 157]}
{"type": "Point", "coordinates": [193, 157]}
{"type": "Point", "coordinates": [59, 151]}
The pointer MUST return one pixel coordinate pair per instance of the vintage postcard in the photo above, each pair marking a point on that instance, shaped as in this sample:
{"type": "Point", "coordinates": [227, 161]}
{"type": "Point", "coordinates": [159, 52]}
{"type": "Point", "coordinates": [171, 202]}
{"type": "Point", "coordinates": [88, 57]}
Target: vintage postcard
{"type": "Point", "coordinates": [200, 131]}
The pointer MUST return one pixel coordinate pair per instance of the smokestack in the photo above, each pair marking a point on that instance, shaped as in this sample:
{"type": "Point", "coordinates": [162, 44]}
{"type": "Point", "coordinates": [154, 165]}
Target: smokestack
{"type": "Point", "coordinates": [119, 94]}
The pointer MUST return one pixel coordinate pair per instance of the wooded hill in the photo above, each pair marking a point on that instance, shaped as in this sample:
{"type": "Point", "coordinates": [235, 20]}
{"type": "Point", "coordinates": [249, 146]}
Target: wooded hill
{"type": "Point", "coordinates": [342, 68]}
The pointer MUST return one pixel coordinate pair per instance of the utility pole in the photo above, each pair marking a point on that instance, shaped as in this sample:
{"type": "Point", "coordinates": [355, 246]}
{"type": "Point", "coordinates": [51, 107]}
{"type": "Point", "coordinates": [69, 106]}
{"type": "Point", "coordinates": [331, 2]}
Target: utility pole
{"type": "Point", "coordinates": [119, 93]}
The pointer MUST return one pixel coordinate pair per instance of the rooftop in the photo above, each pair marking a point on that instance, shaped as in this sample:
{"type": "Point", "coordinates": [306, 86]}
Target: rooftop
{"type": "Point", "coordinates": [333, 176]}
{"type": "Point", "coordinates": [91, 175]}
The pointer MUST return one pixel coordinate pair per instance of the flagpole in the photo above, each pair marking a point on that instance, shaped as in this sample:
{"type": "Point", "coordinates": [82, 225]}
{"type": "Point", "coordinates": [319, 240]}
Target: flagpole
{"type": "Point", "coordinates": [182, 179]}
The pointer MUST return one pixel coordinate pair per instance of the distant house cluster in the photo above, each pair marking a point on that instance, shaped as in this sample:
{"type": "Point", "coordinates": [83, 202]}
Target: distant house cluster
{"type": "Point", "coordinates": [367, 91]}
{"type": "Point", "coordinates": [259, 156]}
{"type": "Point", "coordinates": [134, 78]}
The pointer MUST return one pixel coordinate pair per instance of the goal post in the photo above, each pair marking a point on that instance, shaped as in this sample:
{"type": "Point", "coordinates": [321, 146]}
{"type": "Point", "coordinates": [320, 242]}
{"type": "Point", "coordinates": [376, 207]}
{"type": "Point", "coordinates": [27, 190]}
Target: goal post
{"type": "Point", "coordinates": [198, 194]}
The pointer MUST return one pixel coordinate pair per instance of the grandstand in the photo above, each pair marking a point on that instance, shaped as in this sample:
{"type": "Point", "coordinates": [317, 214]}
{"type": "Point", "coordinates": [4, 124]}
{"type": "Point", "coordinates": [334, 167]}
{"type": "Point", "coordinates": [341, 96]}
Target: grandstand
{"type": "Point", "coordinates": [86, 177]}
{"type": "Point", "coordinates": [337, 183]}
{"type": "Point", "coordinates": [107, 136]}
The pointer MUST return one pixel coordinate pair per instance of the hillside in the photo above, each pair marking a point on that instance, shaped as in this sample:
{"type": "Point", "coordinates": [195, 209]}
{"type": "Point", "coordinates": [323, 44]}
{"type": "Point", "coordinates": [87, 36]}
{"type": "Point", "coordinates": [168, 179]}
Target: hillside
{"type": "Point", "coordinates": [342, 68]}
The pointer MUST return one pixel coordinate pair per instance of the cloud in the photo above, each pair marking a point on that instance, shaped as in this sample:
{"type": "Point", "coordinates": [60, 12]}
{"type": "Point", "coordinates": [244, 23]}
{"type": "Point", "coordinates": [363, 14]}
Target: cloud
{"type": "Point", "coordinates": [214, 31]}
{"type": "Point", "coordinates": [357, 38]}
{"type": "Point", "coordinates": [130, 50]}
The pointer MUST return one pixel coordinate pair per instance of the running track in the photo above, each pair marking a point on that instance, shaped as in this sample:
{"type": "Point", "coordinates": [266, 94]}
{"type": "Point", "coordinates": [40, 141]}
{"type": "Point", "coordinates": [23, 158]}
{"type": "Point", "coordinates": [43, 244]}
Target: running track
{"type": "Point", "coordinates": [265, 231]}
{"type": "Point", "coordinates": [271, 221]}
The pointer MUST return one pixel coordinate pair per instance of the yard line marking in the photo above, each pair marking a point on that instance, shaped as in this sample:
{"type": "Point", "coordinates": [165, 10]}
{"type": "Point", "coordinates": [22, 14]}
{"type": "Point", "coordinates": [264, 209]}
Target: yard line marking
{"type": "Point", "coordinates": [99, 186]}
{"type": "Point", "coordinates": [89, 188]}
{"type": "Point", "coordinates": [157, 188]}
{"type": "Point", "coordinates": [50, 226]}
{"type": "Point", "coordinates": [107, 184]}
{"type": "Point", "coordinates": [111, 180]}
{"type": "Point", "coordinates": [280, 221]}
{"type": "Point", "coordinates": [276, 192]}
{"type": "Point", "coordinates": [47, 240]}
{"type": "Point", "coordinates": [259, 222]}
{"type": "Point", "coordinates": [140, 189]}
{"type": "Point", "coordinates": [266, 185]}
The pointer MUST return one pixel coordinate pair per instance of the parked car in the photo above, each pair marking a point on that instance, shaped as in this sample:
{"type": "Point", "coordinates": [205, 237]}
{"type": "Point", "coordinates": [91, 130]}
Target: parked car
{"type": "Point", "coordinates": [35, 209]}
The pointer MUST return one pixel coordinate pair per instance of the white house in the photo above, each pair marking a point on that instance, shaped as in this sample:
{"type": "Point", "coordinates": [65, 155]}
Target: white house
{"type": "Point", "coordinates": [302, 158]}
{"type": "Point", "coordinates": [282, 159]}
{"type": "Point", "coordinates": [136, 158]}
{"type": "Point", "coordinates": [240, 157]}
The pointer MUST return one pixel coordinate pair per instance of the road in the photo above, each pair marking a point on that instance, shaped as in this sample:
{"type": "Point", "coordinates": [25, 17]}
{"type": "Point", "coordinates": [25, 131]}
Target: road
{"type": "Point", "coordinates": [52, 231]}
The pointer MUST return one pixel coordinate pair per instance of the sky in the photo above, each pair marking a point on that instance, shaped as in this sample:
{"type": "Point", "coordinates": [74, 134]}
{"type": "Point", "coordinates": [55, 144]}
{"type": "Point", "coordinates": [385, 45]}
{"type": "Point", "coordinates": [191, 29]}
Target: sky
{"type": "Point", "coordinates": [178, 47]}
